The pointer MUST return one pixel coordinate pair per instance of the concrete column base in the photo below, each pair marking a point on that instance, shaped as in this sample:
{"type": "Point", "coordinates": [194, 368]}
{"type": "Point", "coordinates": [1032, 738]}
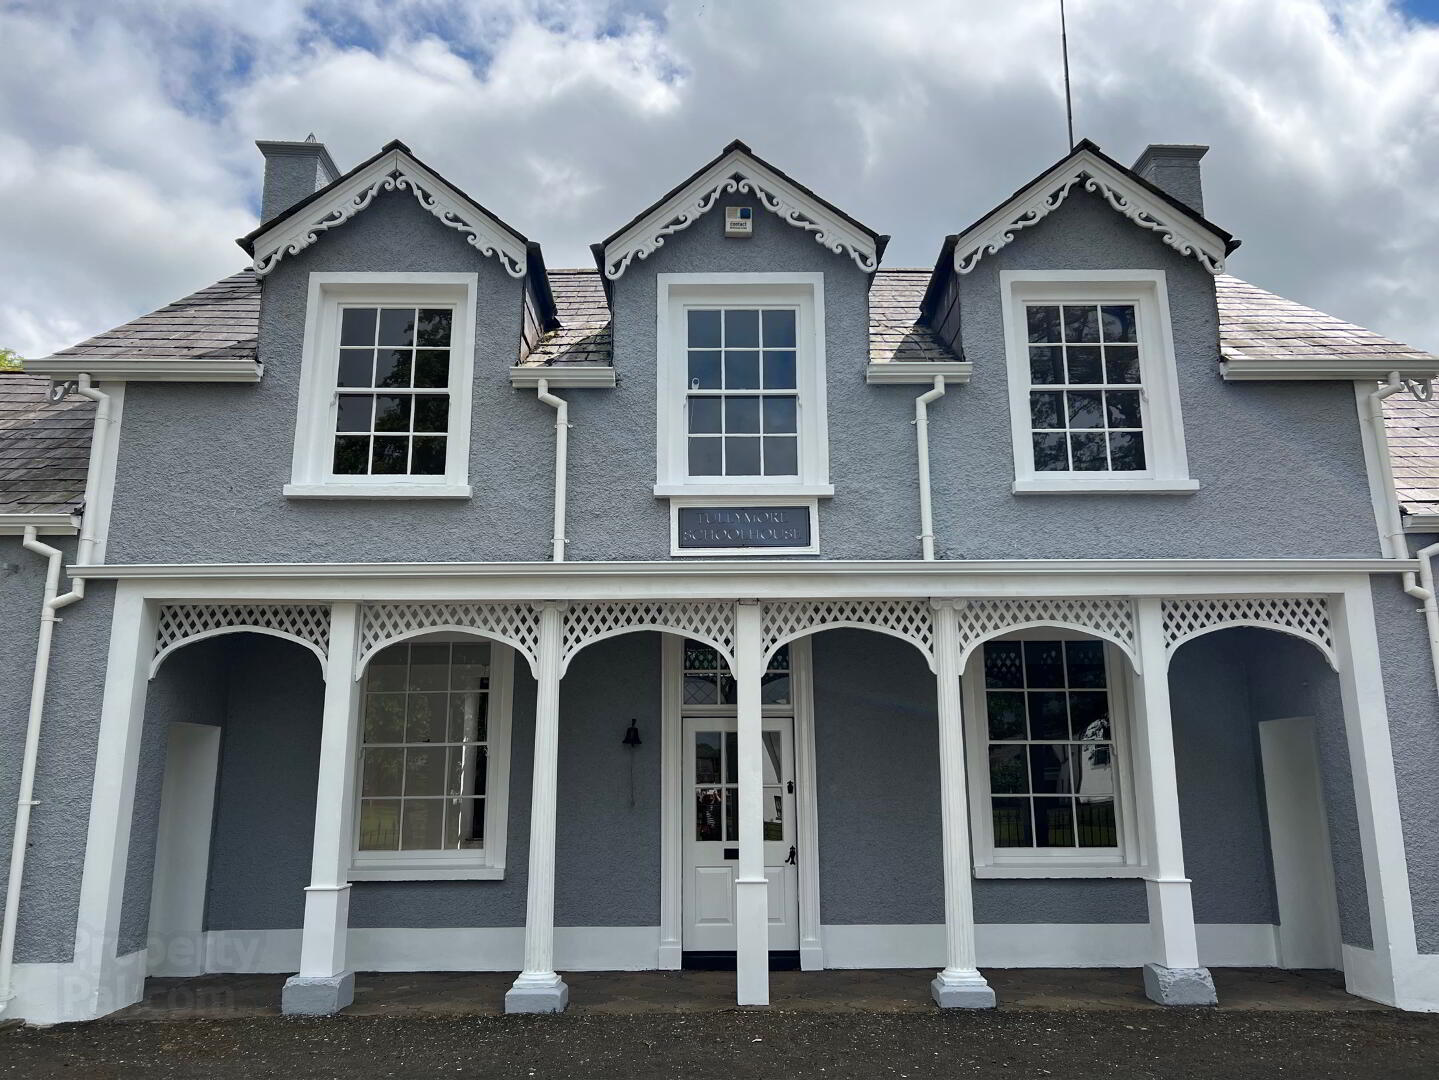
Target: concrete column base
{"type": "Point", "coordinates": [1179, 986]}
{"type": "Point", "coordinates": [546, 997]}
{"type": "Point", "coordinates": [310, 996]}
{"type": "Point", "coordinates": [967, 990]}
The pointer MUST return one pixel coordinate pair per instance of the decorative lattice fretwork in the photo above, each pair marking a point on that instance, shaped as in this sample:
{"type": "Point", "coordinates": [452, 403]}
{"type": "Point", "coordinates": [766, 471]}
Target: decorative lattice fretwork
{"type": "Point", "coordinates": [515, 624]}
{"type": "Point", "coordinates": [180, 624]}
{"type": "Point", "coordinates": [587, 621]}
{"type": "Point", "coordinates": [1303, 616]}
{"type": "Point", "coordinates": [911, 620]}
{"type": "Point", "coordinates": [1104, 616]}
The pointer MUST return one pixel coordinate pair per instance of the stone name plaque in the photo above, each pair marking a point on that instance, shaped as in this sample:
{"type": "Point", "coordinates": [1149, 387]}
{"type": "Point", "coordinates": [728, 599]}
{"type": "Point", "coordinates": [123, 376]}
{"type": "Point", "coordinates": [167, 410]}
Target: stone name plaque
{"type": "Point", "coordinates": [703, 527]}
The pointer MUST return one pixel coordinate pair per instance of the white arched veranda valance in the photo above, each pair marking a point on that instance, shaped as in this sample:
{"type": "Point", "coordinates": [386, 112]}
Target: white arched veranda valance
{"type": "Point", "coordinates": [181, 624]}
{"type": "Point", "coordinates": [1305, 617]}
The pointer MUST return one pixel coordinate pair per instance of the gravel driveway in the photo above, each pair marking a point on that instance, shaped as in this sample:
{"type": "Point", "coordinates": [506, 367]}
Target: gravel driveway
{"type": "Point", "coordinates": [776, 1044]}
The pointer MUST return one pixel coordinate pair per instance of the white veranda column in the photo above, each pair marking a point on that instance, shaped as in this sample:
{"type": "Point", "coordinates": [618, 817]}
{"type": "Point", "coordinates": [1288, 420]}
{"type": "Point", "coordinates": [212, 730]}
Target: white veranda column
{"type": "Point", "coordinates": [325, 983]}
{"type": "Point", "coordinates": [751, 885]}
{"type": "Point", "coordinates": [959, 985]}
{"type": "Point", "coordinates": [538, 988]}
{"type": "Point", "coordinates": [1392, 971]}
{"type": "Point", "coordinates": [1173, 975]}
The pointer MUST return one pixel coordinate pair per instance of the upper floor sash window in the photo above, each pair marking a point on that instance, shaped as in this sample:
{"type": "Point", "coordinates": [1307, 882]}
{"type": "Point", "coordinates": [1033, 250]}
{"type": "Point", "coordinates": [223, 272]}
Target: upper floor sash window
{"type": "Point", "coordinates": [1094, 397]}
{"type": "Point", "coordinates": [386, 379]}
{"type": "Point", "coordinates": [741, 385]}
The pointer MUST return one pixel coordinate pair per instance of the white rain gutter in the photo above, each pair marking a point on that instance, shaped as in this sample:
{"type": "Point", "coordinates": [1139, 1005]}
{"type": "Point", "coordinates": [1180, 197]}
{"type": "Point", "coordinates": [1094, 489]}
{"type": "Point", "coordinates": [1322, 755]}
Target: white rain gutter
{"type": "Point", "coordinates": [921, 435]}
{"type": "Point", "coordinates": [20, 841]}
{"type": "Point", "coordinates": [84, 551]}
{"type": "Point", "coordinates": [1391, 533]}
{"type": "Point", "coordinates": [562, 447]}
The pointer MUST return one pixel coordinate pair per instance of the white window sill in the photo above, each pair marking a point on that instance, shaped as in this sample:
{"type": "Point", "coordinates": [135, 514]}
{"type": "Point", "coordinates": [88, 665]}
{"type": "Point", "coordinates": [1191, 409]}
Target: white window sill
{"type": "Point", "coordinates": [1104, 486]}
{"type": "Point", "coordinates": [1060, 869]}
{"type": "Point", "coordinates": [377, 491]}
{"type": "Point", "coordinates": [426, 872]}
{"type": "Point", "coordinates": [744, 489]}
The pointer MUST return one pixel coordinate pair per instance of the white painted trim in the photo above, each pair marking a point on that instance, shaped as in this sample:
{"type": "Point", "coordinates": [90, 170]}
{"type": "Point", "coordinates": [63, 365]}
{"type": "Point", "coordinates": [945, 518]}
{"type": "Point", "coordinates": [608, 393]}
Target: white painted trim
{"type": "Point", "coordinates": [98, 972]}
{"type": "Point", "coordinates": [394, 171]}
{"type": "Point", "coordinates": [671, 945]}
{"type": "Point", "coordinates": [711, 492]}
{"type": "Point", "coordinates": [489, 863]}
{"type": "Point", "coordinates": [480, 948]}
{"type": "Point", "coordinates": [1164, 448]}
{"type": "Point", "coordinates": [1026, 945]}
{"type": "Point", "coordinates": [811, 934]}
{"type": "Point", "coordinates": [100, 502]}
{"type": "Point", "coordinates": [1415, 523]}
{"type": "Point", "coordinates": [1382, 493]}
{"type": "Point", "coordinates": [738, 171]}
{"type": "Point", "coordinates": [416, 490]}
{"type": "Point", "coordinates": [563, 376]}
{"type": "Point", "coordinates": [1127, 860]}
{"type": "Point", "coordinates": [310, 475]}
{"type": "Point", "coordinates": [175, 944]}
{"type": "Point", "coordinates": [1038, 199]}
{"type": "Point", "coordinates": [1308, 931]}
{"type": "Point", "coordinates": [806, 292]}
{"type": "Point", "coordinates": [917, 372]}
{"type": "Point", "coordinates": [1109, 486]}
{"type": "Point", "coordinates": [721, 578]}
{"type": "Point", "coordinates": [140, 369]}
{"type": "Point", "coordinates": [731, 500]}
{"type": "Point", "coordinates": [1273, 369]}
{"type": "Point", "coordinates": [44, 524]}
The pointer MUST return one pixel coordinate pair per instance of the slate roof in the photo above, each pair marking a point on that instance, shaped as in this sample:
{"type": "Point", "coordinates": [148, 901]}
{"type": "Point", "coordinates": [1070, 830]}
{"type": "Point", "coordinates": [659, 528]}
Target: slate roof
{"type": "Point", "coordinates": [1257, 325]}
{"type": "Point", "coordinates": [1413, 429]}
{"type": "Point", "coordinates": [44, 447]}
{"type": "Point", "coordinates": [895, 333]}
{"type": "Point", "coordinates": [220, 322]}
{"type": "Point", "coordinates": [584, 335]}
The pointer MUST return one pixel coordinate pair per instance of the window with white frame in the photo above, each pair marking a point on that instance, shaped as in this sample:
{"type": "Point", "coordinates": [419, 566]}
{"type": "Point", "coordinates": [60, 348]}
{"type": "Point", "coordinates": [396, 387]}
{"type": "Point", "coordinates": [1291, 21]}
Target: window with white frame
{"type": "Point", "coordinates": [1050, 783]}
{"type": "Point", "coordinates": [385, 386]}
{"type": "Point", "coordinates": [433, 760]}
{"type": "Point", "coordinates": [1093, 387]}
{"type": "Point", "coordinates": [742, 404]}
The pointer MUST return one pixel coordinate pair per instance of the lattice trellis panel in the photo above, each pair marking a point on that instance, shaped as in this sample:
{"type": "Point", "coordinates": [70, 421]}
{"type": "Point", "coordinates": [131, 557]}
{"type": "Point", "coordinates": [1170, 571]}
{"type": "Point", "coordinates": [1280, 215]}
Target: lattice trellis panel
{"type": "Point", "coordinates": [911, 620]}
{"type": "Point", "coordinates": [516, 624]}
{"type": "Point", "coordinates": [180, 624]}
{"type": "Point", "coordinates": [1303, 616]}
{"type": "Point", "coordinates": [587, 621]}
{"type": "Point", "coordinates": [1104, 616]}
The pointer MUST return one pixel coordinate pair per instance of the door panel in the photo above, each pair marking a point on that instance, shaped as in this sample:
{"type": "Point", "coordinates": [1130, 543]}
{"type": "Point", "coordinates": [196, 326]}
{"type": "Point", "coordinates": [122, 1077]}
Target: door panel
{"type": "Point", "coordinates": [711, 832]}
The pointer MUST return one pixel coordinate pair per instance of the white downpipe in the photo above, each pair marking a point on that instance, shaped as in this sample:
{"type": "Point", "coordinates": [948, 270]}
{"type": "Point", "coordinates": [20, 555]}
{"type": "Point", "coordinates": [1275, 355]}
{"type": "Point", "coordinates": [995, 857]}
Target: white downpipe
{"type": "Point", "coordinates": [51, 603]}
{"type": "Point", "coordinates": [921, 435]}
{"type": "Point", "coordinates": [562, 449]}
{"type": "Point", "coordinates": [1431, 605]}
{"type": "Point", "coordinates": [1393, 542]}
{"type": "Point", "coordinates": [100, 441]}
{"type": "Point", "coordinates": [19, 842]}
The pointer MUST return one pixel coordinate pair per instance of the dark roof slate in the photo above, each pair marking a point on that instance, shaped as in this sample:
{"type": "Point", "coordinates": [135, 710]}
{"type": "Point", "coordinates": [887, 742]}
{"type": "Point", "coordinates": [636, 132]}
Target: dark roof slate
{"type": "Point", "coordinates": [44, 447]}
{"type": "Point", "coordinates": [583, 336]}
{"type": "Point", "coordinates": [220, 322]}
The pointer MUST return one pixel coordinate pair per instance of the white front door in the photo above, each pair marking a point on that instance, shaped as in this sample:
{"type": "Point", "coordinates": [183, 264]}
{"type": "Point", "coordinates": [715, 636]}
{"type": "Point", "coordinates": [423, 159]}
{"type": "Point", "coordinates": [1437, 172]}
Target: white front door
{"type": "Point", "coordinates": [711, 830]}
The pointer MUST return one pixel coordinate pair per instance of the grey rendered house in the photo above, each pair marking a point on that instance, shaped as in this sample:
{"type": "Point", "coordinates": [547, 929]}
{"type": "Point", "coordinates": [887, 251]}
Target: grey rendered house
{"type": "Point", "coordinates": [401, 604]}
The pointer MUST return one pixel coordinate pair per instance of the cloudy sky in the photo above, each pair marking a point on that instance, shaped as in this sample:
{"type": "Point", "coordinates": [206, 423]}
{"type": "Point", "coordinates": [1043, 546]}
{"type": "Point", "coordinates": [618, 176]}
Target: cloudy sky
{"type": "Point", "coordinates": [127, 163]}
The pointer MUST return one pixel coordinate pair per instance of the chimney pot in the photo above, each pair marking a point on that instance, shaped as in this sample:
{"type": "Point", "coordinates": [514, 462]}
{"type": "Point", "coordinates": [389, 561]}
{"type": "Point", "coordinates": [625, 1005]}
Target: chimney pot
{"type": "Point", "coordinates": [293, 171]}
{"type": "Point", "coordinates": [1174, 169]}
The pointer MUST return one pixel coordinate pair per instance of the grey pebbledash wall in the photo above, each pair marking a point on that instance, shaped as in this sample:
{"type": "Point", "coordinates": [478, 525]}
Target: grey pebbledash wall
{"type": "Point", "coordinates": [1280, 464]}
{"type": "Point", "coordinates": [237, 441]}
{"type": "Point", "coordinates": [879, 827]}
{"type": "Point", "coordinates": [65, 769]}
{"type": "Point", "coordinates": [1270, 457]}
{"type": "Point", "coordinates": [607, 852]}
{"type": "Point", "coordinates": [1414, 730]}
